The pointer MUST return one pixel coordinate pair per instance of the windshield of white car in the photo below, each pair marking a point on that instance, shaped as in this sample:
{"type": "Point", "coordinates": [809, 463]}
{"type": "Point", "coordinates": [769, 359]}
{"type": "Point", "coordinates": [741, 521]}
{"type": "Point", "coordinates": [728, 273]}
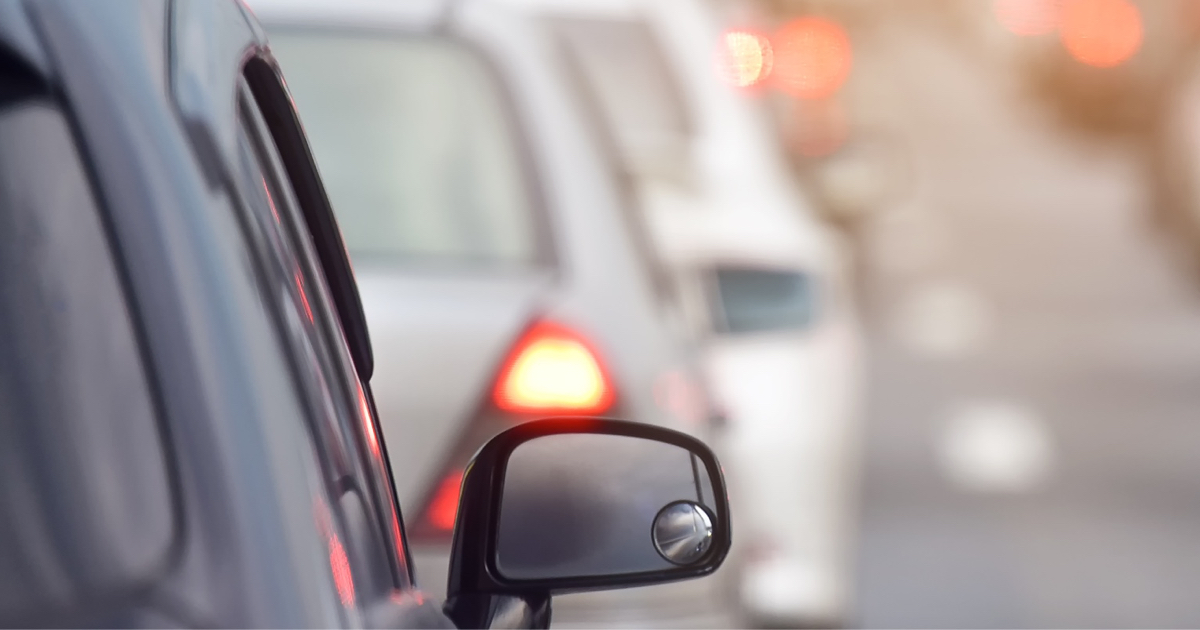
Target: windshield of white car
{"type": "Point", "coordinates": [416, 148]}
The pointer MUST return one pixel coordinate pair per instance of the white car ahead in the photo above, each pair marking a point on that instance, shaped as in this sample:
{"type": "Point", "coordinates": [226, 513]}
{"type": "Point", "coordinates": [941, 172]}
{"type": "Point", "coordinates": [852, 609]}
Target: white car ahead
{"type": "Point", "coordinates": [765, 283]}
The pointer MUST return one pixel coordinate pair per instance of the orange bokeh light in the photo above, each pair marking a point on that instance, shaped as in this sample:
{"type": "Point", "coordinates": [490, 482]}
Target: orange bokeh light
{"type": "Point", "coordinates": [744, 59]}
{"type": "Point", "coordinates": [1028, 18]}
{"type": "Point", "coordinates": [1101, 33]}
{"type": "Point", "coordinates": [812, 58]}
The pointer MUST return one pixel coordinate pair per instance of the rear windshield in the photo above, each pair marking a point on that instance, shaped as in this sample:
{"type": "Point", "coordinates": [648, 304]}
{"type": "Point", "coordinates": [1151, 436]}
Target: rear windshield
{"type": "Point", "coordinates": [759, 300]}
{"type": "Point", "coordinates": [415, 146]}
{"type": "Point", "coordinates": [628, 77]}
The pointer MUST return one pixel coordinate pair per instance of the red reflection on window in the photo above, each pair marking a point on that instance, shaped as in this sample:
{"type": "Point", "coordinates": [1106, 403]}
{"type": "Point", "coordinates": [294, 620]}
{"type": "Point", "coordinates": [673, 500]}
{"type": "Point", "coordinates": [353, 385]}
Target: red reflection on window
{"type": "Point", "coordinates": [1101, 33]}
{"type": "Point", "coordinates": [406, 598]}
{"type": "Point", "coordinates": [812, 58]}
{"type": "Point", "coordinates": [397, 537]}
{"type": "Point", "coordinates": [270, 199]}
{"type": "Point", "coordinates": [368, 420]}
{"type": "Point", "coordinates": [339, 564]}
{"type": "Point", "coordinates": [303, 295]}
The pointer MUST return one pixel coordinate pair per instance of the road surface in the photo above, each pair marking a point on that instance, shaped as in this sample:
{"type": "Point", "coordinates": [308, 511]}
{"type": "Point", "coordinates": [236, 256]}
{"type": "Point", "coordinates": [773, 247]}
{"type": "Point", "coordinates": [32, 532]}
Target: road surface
{"type": "Point", "coordinates": [1033, 423]}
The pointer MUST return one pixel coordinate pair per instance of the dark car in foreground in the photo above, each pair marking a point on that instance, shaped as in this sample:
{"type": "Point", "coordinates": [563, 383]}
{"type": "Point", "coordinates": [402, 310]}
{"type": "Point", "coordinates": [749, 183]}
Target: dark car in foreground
{"type": "Point", "coordinates": [188, 435]}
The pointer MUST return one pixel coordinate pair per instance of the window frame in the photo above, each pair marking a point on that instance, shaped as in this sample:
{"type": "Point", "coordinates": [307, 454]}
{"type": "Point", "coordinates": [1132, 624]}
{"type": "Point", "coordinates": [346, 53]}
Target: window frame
{"type": "Point", "coordinates": [335, 306]}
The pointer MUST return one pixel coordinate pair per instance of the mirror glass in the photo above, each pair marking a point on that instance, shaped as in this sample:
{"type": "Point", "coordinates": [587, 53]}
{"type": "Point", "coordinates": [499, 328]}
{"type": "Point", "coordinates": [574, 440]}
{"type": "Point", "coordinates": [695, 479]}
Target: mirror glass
{"type": "Point", "coordinates": [587, 505]}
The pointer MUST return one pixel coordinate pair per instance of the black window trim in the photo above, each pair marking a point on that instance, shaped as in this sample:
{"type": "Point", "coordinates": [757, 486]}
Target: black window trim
{"type": "Point", "coordinates": [274, 104]}
{"type": "Point", "coordinates": [266, 84]}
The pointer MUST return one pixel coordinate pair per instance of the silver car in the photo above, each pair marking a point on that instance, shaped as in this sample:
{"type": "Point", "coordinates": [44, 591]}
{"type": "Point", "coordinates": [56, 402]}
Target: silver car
{"type": "Point", "coordinates": [500, 273]}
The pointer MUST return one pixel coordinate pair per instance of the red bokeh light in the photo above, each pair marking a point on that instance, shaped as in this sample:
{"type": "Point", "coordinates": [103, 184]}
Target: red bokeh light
{"type": "Point", "coordinates": [1101, 33]}
{"type": "Point", "coordinates": [812, 58]}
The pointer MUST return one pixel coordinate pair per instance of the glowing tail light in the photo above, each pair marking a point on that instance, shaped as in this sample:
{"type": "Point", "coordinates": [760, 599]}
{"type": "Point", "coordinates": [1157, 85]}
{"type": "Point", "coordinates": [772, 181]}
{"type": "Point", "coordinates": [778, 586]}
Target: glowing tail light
{"type": "Point", "coordinates": [552, 369]}
{"type": "Point", "coordinates": [812, 58]}
{"type": "Point", "coordinates": [744, 59]}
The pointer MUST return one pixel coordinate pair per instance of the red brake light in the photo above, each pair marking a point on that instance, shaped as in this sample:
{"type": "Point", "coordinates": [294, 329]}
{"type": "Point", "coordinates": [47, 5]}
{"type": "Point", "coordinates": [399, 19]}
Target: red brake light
{"type": "Point", "coordinates": [553, 369]}
{"type": "Point", "coordinates": [443, 510]}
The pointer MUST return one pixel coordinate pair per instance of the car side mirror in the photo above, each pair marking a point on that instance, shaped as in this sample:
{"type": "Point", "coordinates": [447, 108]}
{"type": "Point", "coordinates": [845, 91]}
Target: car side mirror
{"type": "Point", "coordinates": [578, 504]}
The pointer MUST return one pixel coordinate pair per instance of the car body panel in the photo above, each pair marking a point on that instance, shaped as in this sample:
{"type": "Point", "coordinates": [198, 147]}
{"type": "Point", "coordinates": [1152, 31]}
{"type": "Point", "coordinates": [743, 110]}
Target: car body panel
{"type": "Point", "coordinates": [175, 270]}
{"type": "Point", "coordinates": [247, 553]}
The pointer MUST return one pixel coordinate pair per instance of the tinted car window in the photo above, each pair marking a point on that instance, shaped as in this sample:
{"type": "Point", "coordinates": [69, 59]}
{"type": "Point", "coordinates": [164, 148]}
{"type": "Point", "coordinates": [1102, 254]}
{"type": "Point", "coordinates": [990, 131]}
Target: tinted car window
{"type": "Point", "coordinates": [760, 300]}
{"type": "Point", "coordinates": [85, 502]}
{"type": "Point", "coordinates": [417, 152]}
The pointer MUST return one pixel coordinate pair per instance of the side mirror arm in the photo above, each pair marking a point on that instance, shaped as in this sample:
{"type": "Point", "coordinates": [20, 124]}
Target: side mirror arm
{"type": "Point", "coordinates": [483, 610]}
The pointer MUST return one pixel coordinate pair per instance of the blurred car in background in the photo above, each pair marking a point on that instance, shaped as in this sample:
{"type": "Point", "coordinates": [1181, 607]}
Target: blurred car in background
{"type": "Point", "coordinates": [764, 283]}
{"type": "Point", "coordinates": [501, 278]}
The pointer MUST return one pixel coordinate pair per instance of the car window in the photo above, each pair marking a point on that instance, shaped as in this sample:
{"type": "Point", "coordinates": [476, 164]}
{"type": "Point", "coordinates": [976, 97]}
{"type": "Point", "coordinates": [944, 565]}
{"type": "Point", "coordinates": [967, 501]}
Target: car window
{"type": "Point", "coordinates": [416, 148]}
{"type": "Point", "coordinates": [747, 300]}
{"type": "Point", "coordinates": [627, 75]}
{"type": "Point", "coordinates": [358, 517]}
{"type": "Point", "coordinates": [86, 503]}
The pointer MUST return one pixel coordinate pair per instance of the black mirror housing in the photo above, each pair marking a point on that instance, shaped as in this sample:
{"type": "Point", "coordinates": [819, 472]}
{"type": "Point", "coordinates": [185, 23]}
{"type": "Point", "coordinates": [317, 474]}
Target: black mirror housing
{"type": "Point", "coordinates": [579, 504]}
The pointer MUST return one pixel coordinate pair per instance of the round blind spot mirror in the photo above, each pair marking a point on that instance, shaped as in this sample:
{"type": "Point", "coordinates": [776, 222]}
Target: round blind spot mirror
{"type": "Point", "coordinates": [683, 533]}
